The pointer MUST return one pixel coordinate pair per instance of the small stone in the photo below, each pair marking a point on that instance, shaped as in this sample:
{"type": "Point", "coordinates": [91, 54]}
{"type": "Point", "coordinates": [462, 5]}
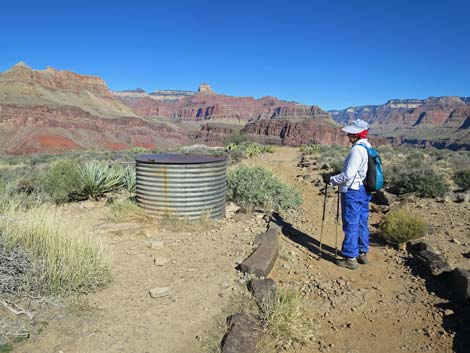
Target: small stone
{"type": "Point", "coordinates": [454, 240]}
{"type": "Point", "coordinates": [155, 244]}
{"type": "Point", "coordinates": [159, 292]}
{"type": "Point", "coordinates": [160, 261]}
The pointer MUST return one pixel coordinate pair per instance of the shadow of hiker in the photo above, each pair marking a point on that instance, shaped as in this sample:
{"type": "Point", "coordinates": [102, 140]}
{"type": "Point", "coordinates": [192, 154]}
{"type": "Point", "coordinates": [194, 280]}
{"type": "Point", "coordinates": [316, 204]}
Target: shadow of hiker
{"type": "Point", "coordinates": [306, 241]}
{"type": "Point", "coordinates": [456, 323]}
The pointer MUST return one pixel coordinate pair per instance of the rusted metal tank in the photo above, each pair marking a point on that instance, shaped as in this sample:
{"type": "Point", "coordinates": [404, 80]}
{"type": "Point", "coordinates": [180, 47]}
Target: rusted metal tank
{"type": "Point", "coordinates": [182, 185]}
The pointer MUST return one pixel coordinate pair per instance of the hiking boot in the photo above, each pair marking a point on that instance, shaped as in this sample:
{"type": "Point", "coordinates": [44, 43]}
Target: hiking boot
{"type": "Point", "coordinates": [362, 258]}
{"type": "Point", "coordinates": [348, 262]}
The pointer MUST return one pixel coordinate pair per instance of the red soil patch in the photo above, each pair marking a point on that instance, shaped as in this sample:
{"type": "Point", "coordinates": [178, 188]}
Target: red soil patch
{"type": "Point", "coordinates": [55, 141]}
{"type": "Point", "coordinates": [115, 145]}
{"type": "Point", "coordinates": [45, 143]}
{"type": "Point", "coordinates": [148, 146]}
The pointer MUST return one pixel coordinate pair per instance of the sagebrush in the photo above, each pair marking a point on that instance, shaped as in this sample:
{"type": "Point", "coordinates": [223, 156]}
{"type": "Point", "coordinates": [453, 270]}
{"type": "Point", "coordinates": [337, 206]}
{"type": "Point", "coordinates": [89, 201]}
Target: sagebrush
{"type": "Point", "coordinates": [250, 186]}
{"type": "Point", "coordinates": [419, 178]}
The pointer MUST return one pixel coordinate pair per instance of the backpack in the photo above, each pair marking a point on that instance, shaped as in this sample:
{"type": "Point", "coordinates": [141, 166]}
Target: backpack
{"type": "Point", "coordinates": [374, 180]}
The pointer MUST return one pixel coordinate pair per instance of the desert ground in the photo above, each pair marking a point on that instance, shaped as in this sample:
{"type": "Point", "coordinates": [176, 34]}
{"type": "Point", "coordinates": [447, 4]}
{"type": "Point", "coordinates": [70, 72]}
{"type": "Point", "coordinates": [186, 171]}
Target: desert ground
{"type": "Point", "coordinates": [388, 305]}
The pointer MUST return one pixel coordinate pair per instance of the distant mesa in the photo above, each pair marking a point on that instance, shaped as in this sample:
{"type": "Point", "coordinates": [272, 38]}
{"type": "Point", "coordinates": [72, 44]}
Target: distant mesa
{"type": "Point", "coordinates": [205, 88]}
{"type": "Point", "coordinates": [137, 90]}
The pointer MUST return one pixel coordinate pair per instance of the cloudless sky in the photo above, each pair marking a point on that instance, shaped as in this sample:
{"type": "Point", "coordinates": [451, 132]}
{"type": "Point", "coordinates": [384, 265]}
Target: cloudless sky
{"type": "Point", "coordinates": [330, 53]}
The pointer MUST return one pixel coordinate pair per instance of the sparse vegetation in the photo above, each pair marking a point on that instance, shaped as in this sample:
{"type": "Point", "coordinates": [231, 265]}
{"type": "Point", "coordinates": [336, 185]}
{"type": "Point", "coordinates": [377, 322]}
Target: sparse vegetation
{"type": "Point", "coordinates": [310, 149]}
{"type": "Point", "coordinates": [257, 187]}
{"type": "Point", "coordinates": [5, 348]}
{"type": "Point", "coordinates": [462, 178]}
{"type": "Point", "coordinates": [285, 323]}
{"type": "Point", "coordinates": [66, 255]}
{"type": "Point", "coordinates": [248, 149]}
{"type": "Point", "coordinates": [399, 226]}
{"type": "Point", "coordinates": [61, 181]}
{"type": "Point", "coordinates": [419, 178]}
{"type": "Point", "coordinates": [129, 211]}
{"type": "Point", "coordinates": [333, 156]}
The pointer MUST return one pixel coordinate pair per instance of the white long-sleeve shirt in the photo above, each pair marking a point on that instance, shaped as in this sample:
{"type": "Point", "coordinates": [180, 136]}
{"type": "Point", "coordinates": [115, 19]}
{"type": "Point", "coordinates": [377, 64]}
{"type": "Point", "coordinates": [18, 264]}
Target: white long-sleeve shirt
{"type": "Point", "coordinates": [354, 169]}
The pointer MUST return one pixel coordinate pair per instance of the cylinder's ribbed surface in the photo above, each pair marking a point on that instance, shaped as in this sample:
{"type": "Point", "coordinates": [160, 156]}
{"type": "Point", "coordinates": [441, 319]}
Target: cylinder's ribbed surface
{"type": "Point", "coordinates": [186, 186]}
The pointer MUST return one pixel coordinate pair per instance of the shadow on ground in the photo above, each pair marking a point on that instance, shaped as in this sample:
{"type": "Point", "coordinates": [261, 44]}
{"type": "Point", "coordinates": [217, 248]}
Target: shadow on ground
{"type": "Point", "coordinates": [308, 242]}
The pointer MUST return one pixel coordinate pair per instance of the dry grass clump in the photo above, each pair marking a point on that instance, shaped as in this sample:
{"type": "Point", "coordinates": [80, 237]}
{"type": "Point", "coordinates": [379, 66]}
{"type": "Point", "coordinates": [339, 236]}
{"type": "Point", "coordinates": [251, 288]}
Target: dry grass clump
{"type": "Point", "coordinates": [399, 226]}
{"type": "Point", "coordinates": [286, 325]}
{"type": "Point", "coordinates": [128, 211]}
{"type": "Point", "coordinates": [66, 255]}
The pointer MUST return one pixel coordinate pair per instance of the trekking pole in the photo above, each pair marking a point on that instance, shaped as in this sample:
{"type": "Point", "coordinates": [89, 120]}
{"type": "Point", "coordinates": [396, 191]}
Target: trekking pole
{"type": "Point", "coordinates": [337, 222]}
{"type": "Point", "coordinates": [323, 220]}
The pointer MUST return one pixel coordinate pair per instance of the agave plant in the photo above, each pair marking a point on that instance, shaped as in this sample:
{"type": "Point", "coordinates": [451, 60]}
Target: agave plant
{"type": "Point", "coordinates": [129, 178]}
{"type": "Point", "coordinates": [99, 178]}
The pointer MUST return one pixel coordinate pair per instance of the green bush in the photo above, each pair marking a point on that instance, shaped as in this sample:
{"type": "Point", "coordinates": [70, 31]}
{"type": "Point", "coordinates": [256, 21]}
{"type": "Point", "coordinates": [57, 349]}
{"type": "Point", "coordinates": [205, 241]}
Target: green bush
{"type": "Point", "coordinates": [462, 178]}
{"type": "Point", "coordinates": [61, 181]}
{"type": "Point", "coordinates": [420, 179]}
{"type": "Point", "coordinates": [257, 187]}
{"type": "Point", "coordinates": [399, 226]}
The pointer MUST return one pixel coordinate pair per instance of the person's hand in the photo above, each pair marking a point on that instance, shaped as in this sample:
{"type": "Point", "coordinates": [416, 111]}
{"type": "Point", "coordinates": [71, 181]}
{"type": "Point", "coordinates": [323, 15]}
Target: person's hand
{"type": "Point", "coordinates": [326, 178]}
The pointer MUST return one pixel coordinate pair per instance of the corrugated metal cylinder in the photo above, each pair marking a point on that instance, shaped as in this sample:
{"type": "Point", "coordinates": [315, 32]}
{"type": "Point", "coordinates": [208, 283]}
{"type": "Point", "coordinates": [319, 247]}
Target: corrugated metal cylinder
{"type": "Point", "coordinates": [180, 185]}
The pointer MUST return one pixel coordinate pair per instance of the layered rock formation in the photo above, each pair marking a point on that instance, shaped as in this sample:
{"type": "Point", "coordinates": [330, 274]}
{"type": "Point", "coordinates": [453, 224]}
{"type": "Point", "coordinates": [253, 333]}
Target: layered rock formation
{"type": "Point", "coordinates": [207, 105]}
{"type": "Point", "coordinates": [55, 111]}
{"type": "Point", "coordinates": [297, 132]}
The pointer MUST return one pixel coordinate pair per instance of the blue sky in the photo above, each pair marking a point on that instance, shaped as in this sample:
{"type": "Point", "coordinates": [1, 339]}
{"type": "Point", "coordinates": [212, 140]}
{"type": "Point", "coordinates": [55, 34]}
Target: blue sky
{"type": "Point", "coordinates": [330, 53]}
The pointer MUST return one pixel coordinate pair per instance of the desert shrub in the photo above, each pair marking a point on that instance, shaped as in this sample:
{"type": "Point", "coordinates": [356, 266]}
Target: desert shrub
{"type": "Point", "coordinates": [333, 156]}
{"type": "Point", "coordinates": [257, 187]}
{"type": "Point", "coordinates": [400, 226]}
{"type": "Point", "coordinates": [61, 181]}
{"type": "Point", "coordinates": [462, 178]}
{"type": "Point", "coordinates": [285, 322]}
{"type": "Point", "coordinates": [65, 252]}
{"type": "Point", "coordinates": [249, 149]}
{"type": "Point", "coordinates": [310, 149]}
{"type": "Point", "coordinates": [420, 178]}
{"type": "Point", "coordinates": [98, 178]}
{"type": "Point", "coordinates": [236, 138]}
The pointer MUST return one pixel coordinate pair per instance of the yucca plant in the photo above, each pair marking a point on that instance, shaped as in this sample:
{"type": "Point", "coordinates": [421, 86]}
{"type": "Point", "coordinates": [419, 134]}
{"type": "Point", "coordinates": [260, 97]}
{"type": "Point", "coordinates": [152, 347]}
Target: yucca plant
{"type": "Point", "coordinates": [129, 178]}
{"type": "Point", "coordinates": [99, 178]}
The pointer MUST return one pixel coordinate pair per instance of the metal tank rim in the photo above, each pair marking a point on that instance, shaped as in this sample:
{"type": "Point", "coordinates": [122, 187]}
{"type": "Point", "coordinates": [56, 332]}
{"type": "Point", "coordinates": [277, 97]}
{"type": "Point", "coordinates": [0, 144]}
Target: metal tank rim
{"type": "Point", "coordinates": [174, 158]}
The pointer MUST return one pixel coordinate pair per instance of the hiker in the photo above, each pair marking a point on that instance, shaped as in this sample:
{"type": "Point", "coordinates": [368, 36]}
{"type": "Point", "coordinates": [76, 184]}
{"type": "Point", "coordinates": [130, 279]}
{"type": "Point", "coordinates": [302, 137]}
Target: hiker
{"type": "Point", "coordinates": [354, 197]}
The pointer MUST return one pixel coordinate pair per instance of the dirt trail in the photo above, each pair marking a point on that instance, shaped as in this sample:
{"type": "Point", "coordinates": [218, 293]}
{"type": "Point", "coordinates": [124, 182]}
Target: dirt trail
{"type": "Point", "coordinates": [381, 307]}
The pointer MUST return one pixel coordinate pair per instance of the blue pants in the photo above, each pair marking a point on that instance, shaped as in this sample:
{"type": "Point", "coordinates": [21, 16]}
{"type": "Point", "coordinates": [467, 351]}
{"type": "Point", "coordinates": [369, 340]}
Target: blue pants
{"type": "Point", "coordinates": [355, 216]}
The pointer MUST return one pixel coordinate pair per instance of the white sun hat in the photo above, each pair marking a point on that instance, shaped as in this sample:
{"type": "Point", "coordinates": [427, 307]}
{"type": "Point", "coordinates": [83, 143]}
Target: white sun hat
{"type": "Point", "coordinates": [356, 127]}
